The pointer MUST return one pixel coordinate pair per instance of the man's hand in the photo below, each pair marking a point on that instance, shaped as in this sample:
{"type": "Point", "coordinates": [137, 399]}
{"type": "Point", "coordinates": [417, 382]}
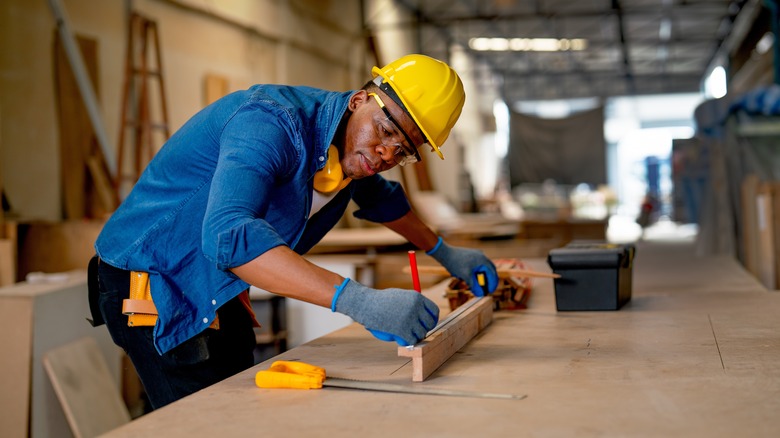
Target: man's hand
{"type": "Point", "coordinates": [399, 315]}
{"type": "Point", "coordinates": [468, 265]}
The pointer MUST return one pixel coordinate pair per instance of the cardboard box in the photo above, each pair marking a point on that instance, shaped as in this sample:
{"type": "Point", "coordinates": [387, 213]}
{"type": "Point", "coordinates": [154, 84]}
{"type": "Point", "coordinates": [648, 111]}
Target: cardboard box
{"type": "Point", "coordinates": [594, 276]}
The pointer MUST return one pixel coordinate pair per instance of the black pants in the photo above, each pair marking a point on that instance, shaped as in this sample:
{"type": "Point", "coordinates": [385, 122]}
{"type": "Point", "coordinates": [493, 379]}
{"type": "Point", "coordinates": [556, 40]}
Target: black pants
{"type": "Point", "coordinates": [205, 359]}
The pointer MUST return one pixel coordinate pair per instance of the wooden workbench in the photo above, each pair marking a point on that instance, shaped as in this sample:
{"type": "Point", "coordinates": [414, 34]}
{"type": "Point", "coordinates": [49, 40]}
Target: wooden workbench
{"type": "Point", "coordinates": [696, 352]}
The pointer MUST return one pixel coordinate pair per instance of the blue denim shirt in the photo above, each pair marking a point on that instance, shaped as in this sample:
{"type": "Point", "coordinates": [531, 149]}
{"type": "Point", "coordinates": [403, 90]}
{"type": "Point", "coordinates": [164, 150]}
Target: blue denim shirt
{"type": "Point", "coordinates": [234, 182]}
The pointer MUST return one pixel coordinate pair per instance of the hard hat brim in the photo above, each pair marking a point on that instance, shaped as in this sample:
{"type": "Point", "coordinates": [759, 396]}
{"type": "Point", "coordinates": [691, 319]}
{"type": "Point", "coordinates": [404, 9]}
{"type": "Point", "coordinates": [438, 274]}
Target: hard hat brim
{"type": "Point", "coordinates": [377, 72]}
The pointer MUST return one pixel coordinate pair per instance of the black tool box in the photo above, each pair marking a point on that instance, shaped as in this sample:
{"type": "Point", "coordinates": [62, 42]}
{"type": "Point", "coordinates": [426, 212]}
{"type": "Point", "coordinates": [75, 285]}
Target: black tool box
{"type": "Point", "coordinates": [594, 275]}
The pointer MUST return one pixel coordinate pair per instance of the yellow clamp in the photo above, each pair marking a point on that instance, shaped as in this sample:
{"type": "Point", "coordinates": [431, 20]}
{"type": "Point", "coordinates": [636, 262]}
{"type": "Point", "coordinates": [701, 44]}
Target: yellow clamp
{"type": "Point", "coordinates": [287, 374]}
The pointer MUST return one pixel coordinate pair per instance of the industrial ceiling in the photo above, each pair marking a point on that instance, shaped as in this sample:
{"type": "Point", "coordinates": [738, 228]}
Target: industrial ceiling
{"type": "Point", "coordinates": [631, 47]}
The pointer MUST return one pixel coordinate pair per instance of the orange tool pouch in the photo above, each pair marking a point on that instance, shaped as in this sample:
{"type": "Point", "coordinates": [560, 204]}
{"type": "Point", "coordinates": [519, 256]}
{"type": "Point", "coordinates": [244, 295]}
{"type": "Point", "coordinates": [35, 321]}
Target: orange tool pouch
{"type": "Point", "coordinates": [140, 309]}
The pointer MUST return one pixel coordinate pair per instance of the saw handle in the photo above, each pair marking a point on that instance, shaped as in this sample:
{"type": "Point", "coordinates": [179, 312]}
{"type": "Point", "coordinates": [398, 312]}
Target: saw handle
{"type": "Point", "coordinates": [293, 375]}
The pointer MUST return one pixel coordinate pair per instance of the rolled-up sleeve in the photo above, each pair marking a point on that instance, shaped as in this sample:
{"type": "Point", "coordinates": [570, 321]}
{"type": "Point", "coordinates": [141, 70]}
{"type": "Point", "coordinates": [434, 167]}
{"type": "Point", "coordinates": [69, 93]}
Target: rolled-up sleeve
{"type": "Point", "coordinates": [256, 151]}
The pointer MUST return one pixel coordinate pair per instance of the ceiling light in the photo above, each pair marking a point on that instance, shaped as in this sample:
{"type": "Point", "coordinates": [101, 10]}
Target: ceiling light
{"type": "Point", "coordinates": [716, 84]}
{"type": "Point", "coordinates": [765, 43]}
{"type": "Point", "coordinates": [544, 45]}
{"type": "Point", "coordinates": [665, 29]}
{"type": "Point", "coordinates": [527, 44]}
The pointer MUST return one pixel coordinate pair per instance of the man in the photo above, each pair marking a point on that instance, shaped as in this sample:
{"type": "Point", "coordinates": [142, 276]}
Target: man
{"type": "Point", "coordinates": [246, 186]}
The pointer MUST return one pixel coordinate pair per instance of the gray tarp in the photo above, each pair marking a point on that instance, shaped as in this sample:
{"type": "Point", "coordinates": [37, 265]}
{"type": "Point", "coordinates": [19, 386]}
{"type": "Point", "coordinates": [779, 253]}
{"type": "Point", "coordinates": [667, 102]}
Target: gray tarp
{"type": "Point", "coordinates": [571, 150]}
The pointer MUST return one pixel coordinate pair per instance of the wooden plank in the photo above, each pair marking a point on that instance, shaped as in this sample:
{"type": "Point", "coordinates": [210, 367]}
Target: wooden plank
{"type": "Point", "coordinates": [437, 348]}
{"type": "Point", "coordinates": [215, 86]}
{"type": "Point", "coordinates": [102, 183]}
{"type": "Point", "coordinates": [75, 129]}
{"type": "Point", "coordinates": [750, 257]}
{"type": "Point", "coordinates": [56, 246]}
{"type": "Point", "coordinates": [8, 252]}
{"type": "Point", "coordinates": [502, 273]}
{"type": "Point", "coordinates": [775, 233]}
{"type": "Point", "coordinates": [2, 190]}
{"type": "Point", "coordinates": [85, 388]}
{"type": "Point", "coordinates": [7, 262]}
{"type": "Point", "coordinates": [765, 220]}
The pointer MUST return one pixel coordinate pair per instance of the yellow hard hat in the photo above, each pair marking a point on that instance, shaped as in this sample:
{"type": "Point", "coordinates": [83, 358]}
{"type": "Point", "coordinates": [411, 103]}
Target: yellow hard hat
{"type": "Point", "coordinates": [429, 90]}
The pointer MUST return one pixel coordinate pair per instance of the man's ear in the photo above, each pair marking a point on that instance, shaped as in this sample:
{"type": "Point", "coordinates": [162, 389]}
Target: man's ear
{"type": "Point", "coordinates": [359, 98]}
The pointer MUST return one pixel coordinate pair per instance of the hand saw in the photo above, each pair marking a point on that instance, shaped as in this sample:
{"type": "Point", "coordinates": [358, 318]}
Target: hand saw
{"type": "Point", "coordinates": [301, 375]}
{"type": "Point", "coordinates": [365, 385]}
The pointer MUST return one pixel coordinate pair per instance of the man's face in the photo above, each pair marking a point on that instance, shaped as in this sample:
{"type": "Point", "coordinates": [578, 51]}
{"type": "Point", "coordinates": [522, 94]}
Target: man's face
{"type": "Point", "coordinates": [372, 139]}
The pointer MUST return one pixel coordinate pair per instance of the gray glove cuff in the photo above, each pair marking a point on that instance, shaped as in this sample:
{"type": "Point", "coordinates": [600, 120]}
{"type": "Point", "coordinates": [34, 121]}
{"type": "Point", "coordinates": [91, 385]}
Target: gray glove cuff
{"type": "Point", "coordinates": [402, 313]}
{"type": "Point", "coordinates": [339, 290]}
{"type": "Point", "coordinates": [441, 252]}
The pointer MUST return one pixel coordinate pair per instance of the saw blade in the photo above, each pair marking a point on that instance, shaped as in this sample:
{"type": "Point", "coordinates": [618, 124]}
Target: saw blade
{"type": "Point", "coordinates": [365, 385]}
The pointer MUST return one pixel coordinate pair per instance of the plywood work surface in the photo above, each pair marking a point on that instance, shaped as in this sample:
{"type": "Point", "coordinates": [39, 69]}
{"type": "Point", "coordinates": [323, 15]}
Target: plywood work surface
{"type": "Point", "coordinates": [696, 352]}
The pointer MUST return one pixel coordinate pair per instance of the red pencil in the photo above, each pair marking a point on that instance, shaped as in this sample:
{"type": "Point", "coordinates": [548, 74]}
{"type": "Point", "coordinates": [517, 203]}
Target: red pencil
{"type": "Point", "coordinates": [415, 275]}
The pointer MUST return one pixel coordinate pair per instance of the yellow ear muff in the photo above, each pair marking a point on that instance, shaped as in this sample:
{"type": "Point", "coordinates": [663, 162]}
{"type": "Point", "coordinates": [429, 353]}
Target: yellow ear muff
{"type": "Point", "coordinates": [330, 178]}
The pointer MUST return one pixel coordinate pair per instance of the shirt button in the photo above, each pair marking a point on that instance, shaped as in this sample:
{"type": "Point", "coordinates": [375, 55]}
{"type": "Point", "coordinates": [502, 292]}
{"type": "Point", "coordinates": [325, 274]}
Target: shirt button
{"type": "Point", "coordinates": [205, 320]}
{"type": "Point", "coordinates": [214, 302]}
{"type": "Point", "coordinates": [322, 158]}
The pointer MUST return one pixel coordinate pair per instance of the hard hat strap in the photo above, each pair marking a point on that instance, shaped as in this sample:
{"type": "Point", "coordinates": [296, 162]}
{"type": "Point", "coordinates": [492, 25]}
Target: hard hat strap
{"type": "Point", "coordinates": [384, 86]}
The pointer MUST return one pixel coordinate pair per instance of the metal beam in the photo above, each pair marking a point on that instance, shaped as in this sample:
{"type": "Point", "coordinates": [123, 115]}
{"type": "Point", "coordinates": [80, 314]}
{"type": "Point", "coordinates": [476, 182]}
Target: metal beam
{"type": "Point", "coordinates": [84, 84]}
{"type": "Point", "coordinates": [624, 45]}
{"type": "Point", "coordinates": [700, 8]}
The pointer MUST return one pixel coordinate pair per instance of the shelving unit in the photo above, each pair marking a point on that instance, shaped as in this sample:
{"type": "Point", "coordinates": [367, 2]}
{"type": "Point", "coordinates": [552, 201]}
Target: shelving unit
{"type": "Point", "coordinates": [753, 145]}
{"type": "Point", "coordinates": [271, 312]}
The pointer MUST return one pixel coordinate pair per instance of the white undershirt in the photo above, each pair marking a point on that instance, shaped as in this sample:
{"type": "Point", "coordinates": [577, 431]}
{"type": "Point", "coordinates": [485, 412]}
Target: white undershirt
{"type": "Point", "coordinates": [319, 200]}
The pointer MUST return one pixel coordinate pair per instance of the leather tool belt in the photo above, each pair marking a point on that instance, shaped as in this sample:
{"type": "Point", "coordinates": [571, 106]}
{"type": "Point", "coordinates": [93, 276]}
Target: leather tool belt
{"type": "Point", "coordinates": [139, 307]}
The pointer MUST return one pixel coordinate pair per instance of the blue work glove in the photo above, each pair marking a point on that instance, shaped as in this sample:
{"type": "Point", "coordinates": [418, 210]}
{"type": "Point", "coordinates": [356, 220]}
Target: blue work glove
{"type": "Point", "coordinates": [399, 315]}
{"type": "Point", "coordinates": [467, 264]}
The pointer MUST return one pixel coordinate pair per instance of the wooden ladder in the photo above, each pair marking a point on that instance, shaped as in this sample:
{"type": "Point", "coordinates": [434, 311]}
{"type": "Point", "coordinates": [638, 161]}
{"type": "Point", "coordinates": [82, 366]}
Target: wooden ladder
{"type": "Point", "coordinates": [143, 63]}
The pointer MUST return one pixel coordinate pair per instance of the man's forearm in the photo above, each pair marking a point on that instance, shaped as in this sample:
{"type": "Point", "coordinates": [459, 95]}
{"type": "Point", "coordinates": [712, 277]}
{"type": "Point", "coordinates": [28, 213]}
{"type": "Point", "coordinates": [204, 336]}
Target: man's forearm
{"type": "Point", "coordinates": [284, 272]}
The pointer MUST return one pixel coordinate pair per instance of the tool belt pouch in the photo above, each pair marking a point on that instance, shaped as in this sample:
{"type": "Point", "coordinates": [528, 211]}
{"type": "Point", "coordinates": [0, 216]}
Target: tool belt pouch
{"type": "Point", "coordinates": [139, 307]}
{"type": "Point", "coordinates": [93, 293]}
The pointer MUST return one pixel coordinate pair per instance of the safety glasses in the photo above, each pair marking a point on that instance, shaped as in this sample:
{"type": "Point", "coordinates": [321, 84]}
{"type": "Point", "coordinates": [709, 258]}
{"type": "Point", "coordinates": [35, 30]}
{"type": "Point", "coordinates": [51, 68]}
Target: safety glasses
{"type": "Point", "coordinates": [388, 135]}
